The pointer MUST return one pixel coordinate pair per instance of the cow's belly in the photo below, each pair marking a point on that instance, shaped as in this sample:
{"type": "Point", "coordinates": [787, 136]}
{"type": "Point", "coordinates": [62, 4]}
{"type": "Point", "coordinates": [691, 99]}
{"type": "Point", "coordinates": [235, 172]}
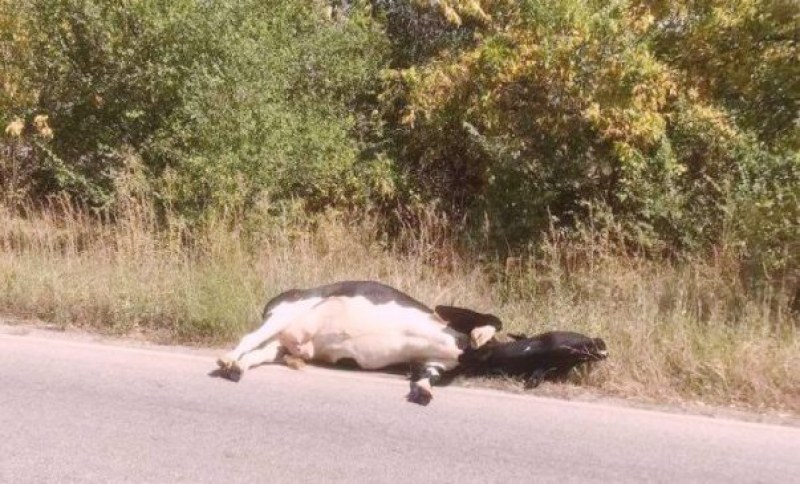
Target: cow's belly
{"type": "Point", "coordinates": [376, 336]}
{"type": "Point", "coordinates": [373, 352]}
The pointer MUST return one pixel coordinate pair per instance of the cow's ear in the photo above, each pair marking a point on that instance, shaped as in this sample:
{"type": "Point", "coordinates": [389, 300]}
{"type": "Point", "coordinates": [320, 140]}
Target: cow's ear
{"type": "Point", "coordinates": [517, 336]}
{"type": "Point", "coordinates": [465, 320]}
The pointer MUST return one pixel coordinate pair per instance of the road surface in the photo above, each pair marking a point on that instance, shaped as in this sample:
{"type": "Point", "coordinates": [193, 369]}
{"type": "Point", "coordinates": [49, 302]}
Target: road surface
{"type": "Point", "coordinates": [79, 411]}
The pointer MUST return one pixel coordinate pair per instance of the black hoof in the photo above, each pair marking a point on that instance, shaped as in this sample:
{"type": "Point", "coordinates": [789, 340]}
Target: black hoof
{"type": "Point", "coordinates": [419, 396]}
{"type": "Point", "coordinates": [230, 374]}
{"type": "Point", "coordinates": [234, 375]}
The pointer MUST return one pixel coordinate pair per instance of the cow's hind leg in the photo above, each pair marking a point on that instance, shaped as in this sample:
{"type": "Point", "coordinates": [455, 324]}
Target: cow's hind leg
{"type": "Point", "coordinates": [297, 355]}
{"type": "Point", "coordinates": [277, 320]}
{"type": "Point", "coordinates": [269, 353]}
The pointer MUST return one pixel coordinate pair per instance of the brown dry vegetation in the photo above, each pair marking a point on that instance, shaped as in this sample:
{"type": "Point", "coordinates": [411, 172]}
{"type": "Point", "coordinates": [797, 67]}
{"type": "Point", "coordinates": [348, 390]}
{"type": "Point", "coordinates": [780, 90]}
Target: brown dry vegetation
{"type": "Point", "coordinates": [689, 331]}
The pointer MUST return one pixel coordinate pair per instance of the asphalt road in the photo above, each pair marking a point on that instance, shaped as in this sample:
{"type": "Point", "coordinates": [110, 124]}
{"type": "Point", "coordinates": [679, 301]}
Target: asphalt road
{"type": "Point", "coordinates": [78, 411]}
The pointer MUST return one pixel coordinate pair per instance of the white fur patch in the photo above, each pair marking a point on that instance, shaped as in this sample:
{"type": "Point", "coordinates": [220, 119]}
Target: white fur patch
{"type": "Point", "coordinates": [279, 318]}
{"type": "Point", "coordinates": [288, 311]}
{"type": "Point", "coordinates": [378, 335]}
{"type": "Point", "coordinates": [481, 335]}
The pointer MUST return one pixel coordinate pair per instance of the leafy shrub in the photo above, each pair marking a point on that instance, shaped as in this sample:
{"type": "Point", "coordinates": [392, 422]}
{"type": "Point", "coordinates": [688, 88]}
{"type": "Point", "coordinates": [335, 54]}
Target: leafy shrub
{"type": "Point", "coordinates": [102, 74]}
{"type": "Point", "coordinates": [270, 108]}
{"type": "Point", "coordinates": [674, 123]}
{"type": "Point", "coordinates": [555, 110]}
{"type": "Point", "coordinates": [224, 102]}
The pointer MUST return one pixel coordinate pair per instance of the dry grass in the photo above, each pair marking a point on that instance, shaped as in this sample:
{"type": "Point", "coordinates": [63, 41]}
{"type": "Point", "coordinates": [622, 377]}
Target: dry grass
{"type": "Point", "coordinates": [674, 332]}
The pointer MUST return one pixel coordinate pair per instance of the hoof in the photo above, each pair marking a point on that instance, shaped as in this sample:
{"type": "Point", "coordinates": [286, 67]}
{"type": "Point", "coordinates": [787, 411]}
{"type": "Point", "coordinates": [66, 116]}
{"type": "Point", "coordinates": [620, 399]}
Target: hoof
{"type": "Point", "coordinates": [420, 394]}
{"type": "Point", "coordinates": [235, 372]}
{"type": "Point", "coordinates": [294, 362]}
{"type": "Point", "coordinates": [225, 362]}
{"type": "Point", "coordinates": [229, 368]}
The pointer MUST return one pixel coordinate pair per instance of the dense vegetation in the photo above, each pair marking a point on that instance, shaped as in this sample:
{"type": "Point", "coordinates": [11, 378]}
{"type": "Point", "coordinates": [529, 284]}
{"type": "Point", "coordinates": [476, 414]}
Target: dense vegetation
{"type": "Point", "coordinates": [674, 123]}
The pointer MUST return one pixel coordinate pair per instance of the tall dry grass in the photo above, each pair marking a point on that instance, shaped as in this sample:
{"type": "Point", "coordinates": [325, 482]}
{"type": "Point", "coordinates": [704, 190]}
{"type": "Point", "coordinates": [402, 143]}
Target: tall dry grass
{"type": "Point", "coordinates": [688, 331]}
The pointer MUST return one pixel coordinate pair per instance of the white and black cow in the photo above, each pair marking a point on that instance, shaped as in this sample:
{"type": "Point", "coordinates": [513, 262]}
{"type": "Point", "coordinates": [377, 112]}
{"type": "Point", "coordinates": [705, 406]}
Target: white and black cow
{"type": "Point", "coordinates": [370, 323]}
{"type": "Point", "coordinates": [548, 356]}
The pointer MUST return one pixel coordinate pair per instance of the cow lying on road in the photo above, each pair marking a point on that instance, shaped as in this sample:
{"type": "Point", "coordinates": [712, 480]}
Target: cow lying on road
{"type": "Point", "coordinates": [548, 356]}
{"type": "Point", "coordinates": [367, 322]}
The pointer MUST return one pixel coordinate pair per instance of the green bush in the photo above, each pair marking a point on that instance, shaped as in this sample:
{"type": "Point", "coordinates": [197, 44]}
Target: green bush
{"type": "Point", "coordinates": [664, 116]}
{"type": "Point", "coordinates": [675, 123]}
{"type": "Point", "coordinates": [270, 107]}
{"type": "Point", "coordinates": [222, 102]}
{"type": "Point", "coordinates": [103, 75]}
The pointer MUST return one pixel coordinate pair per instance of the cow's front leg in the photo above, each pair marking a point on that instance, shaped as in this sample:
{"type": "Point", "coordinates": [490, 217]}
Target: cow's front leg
{"type": "Point", "coordinates": [423, 377]}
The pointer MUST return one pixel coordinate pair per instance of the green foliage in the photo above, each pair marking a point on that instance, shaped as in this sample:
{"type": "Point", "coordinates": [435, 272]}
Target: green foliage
{"type": "Point", "coordinates": [742, 54]}
{"type": "Point", "coordinates": [98, 70]}
{"type": "Point", "coordinates": [654, 113]}
{"type": "Point", "coordinates": [269, 108]}
{"type": "Point", "coordinates": [224, 102]}
{"type": "Point", "coordinates": [673, 122]}
{"type": "Point", "coordinates": [764, 213]}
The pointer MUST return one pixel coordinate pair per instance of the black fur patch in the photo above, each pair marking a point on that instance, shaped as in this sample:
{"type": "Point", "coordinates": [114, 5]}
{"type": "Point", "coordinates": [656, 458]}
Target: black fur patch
{"type": "Point", "coordinates": [465, 320]}
{"type": "Point", "coordinates": [375, 292]}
